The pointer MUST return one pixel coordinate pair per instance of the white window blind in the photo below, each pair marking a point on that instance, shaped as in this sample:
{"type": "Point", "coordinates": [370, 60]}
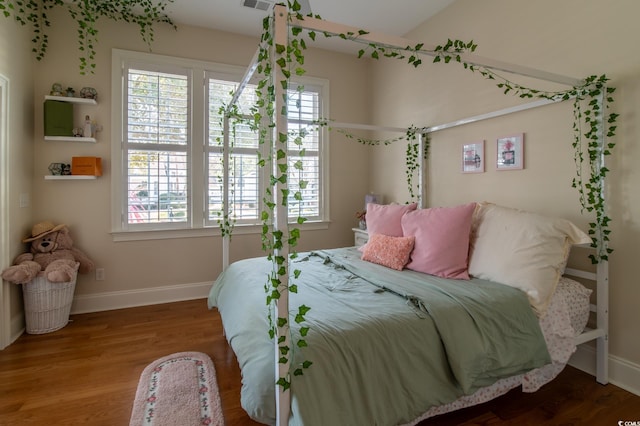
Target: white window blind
{"type": "Point", "coordinates": [245, 183]}
{"type": "Point", "coordinates": [157, 143]}
{"type": "Point", "coordinates": [167, 173]}
{"type": "Point", "coordinates": [305, 172]}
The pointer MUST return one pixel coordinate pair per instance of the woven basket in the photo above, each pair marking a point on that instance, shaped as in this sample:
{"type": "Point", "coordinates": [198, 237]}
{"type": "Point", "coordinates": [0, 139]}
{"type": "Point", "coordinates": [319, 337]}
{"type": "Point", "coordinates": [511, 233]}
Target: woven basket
{"type": "Point", "coordinates": [46, 304]}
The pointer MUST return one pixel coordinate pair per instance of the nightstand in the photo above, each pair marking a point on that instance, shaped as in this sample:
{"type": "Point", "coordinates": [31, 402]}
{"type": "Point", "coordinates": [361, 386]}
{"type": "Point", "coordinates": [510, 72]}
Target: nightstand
{"type": "Point", "coordinates": [360, 236]}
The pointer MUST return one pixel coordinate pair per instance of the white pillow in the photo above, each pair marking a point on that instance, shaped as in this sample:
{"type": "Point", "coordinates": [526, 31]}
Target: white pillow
{"type": "Point", "coordinates": [521, 249]}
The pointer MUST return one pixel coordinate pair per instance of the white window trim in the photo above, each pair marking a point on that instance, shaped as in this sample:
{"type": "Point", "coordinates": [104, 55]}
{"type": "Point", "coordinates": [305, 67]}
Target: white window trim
{"type": "Point", "coordinates": [198, 129]}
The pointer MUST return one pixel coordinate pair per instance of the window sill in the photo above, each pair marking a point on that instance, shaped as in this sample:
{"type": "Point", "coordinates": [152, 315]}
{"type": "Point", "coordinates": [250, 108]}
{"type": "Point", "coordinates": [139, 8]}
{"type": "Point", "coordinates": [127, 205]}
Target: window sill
{"type": "Point", "coordinates": [214, 231]}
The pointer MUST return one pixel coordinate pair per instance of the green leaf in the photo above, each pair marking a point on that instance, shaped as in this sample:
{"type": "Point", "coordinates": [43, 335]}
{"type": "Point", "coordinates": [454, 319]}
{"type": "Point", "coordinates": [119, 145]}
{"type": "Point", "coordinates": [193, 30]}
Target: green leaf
{"type": "Point", "coordinates": [283, 383]}
{"type": "Point", "coordinates": [303, 309]}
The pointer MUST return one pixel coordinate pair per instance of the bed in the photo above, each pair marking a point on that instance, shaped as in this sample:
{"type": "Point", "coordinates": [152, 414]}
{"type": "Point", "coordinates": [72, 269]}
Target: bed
{"type": "Point", "coordinates": [494, 258]}
{"type": "Point", "coordinates": [395, 346]}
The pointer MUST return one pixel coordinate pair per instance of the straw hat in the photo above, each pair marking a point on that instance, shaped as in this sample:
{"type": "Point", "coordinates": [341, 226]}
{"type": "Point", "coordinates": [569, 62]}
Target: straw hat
{"type": "Point", "coordinates": [41, 229]}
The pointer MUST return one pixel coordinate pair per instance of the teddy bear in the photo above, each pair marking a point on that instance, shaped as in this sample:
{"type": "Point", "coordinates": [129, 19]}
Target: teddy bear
{"type": "Point", "coordinates": [52, 252]}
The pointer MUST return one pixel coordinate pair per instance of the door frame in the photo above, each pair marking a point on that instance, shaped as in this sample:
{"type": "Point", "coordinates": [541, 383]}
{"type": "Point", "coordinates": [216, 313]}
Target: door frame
{"type": "Point", "coordinates": [5, 290]}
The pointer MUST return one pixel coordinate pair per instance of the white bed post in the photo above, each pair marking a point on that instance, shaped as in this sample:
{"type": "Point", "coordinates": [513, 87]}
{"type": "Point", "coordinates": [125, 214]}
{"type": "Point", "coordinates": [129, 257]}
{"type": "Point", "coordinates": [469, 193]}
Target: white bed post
{"type": "Point", "coordinates": [280, 220]}
{"type": "Point", "coordinates": [602, 322]}
{"type": "Point", "coordinates": [421, 164]}
{"type": "Point", "coordinates": [602, 271]}
{"type": "Point", "coordinates": [225, 190]}
{"type": "Point", "coordinates": [226, 154]}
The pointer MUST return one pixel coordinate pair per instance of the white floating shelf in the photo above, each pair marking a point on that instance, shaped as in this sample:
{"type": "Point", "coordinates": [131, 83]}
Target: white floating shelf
{"type": "Point", "coordinates": [71, 100]}
{"type": "Point", "coordinates": [70, 139]}
{"type": "Point", "coordinates": [69, 177]}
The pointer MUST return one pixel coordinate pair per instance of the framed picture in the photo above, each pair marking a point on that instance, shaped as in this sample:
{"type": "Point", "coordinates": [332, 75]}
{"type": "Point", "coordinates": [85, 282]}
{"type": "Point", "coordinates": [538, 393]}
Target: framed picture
{"type": "Point", "coordinates": [473, 157]}
{"type": "Point", "coordinates": [510, 152]}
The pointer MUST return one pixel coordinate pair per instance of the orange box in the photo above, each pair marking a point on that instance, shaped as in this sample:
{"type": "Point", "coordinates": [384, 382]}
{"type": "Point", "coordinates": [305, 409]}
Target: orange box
{"type": "Point", "coordinates": [88, 166]}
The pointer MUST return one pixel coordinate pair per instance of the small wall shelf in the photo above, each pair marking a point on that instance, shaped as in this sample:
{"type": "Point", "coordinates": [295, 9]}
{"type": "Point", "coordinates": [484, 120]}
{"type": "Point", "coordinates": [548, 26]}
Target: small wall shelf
{"type": "Point", "coordinates": [70, 139]}
{"type": "Point", "coordinates": [69, 177]}
{"type": "Point", "coordinates": [71, 100]}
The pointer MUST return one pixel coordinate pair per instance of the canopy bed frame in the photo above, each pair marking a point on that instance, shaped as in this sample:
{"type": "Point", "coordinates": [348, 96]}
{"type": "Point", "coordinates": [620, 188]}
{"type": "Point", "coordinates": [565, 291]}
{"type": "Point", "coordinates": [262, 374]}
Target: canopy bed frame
{"type": "Point", "coordinates": [282, 22]}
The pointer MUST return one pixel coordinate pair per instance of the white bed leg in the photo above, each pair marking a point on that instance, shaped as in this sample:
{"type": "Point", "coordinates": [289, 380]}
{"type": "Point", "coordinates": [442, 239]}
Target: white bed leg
{"type": "Point", "coordinates": [602, 366]}
{"type": "Point", "coordinates": [602, 314]}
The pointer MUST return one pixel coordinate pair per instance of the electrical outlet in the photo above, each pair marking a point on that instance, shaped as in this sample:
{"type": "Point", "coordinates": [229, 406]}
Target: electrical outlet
{"type": "Point", "coordinates": [25, 200]}
{"type": "Point", "coordinates": [99, 274]}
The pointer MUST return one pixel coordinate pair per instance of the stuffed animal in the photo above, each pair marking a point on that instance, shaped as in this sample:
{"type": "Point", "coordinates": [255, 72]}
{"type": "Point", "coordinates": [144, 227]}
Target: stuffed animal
{"type": "Point", "coordinates": [52, 252]}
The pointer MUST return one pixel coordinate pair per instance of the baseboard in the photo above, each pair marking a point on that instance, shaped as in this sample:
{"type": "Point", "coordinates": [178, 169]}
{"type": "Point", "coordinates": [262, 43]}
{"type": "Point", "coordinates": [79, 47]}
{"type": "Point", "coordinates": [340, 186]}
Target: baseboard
{"type": "Point", "coordinates": [18, 327]}
{"type": "Point", "coordinates": [622, 373]}
{"type": "Point", "coordinates": [131, 298]}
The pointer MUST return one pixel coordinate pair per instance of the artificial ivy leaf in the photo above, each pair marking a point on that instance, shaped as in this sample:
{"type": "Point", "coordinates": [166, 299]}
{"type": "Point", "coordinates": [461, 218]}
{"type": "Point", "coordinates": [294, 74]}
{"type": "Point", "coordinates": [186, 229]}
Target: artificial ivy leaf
{"type": "Point", "coordinates": [297, 372]}
{"type": "Point", "coordinates": [306, 364]}
{"type": "Point", "coordinates": [304, 331]}
{"type": "Point", "coordinates": [283, 360]}
{"type": "Point", "coordinates": [302, 343]}
{"type": "Point", "coordinates": [293, 288]}
{"type": "Point", "coordinates": [283, 383]}
{"type": "Point", "coordinates": [303, 309]}
{"type": "Point", "coordinates": [282, 322]}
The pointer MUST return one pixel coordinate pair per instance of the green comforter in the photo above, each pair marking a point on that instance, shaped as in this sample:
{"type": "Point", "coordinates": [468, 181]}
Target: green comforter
{"type": "Point", "coordinates": [385, 345]}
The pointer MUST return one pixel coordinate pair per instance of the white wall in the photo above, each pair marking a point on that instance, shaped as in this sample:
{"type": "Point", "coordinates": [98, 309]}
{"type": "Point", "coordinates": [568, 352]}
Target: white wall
{"type": "Point", "coordinates": [151, 271]}
{"type": "Point", "coordinates": [573, 37]}
{"type": "Point", "coordinates": [16, 66]}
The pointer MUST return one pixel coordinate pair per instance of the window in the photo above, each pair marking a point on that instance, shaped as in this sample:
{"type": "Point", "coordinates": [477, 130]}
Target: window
{"type": "Point", "coordinates": [167, 171]}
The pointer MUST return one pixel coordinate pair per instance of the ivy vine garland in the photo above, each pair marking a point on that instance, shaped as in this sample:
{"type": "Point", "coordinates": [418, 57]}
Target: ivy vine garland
{"type": "Point", "coordinates": [591, 125]}
{"type": "Point", "coordinates": [144, 13]}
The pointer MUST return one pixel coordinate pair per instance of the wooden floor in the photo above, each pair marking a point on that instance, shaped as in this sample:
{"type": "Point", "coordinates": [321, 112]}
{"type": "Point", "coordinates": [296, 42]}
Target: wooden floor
{"type": "Point", "coordinates": [87, 373]}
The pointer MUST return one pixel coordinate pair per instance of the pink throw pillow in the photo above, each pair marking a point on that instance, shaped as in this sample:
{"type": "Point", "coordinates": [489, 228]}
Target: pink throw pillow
{"type": "Point", "coordinates": [385, 219]}
{"type": "Point", "coordinates": [392, 252]}
{"type": "Point", "coordinates": [442, 240]}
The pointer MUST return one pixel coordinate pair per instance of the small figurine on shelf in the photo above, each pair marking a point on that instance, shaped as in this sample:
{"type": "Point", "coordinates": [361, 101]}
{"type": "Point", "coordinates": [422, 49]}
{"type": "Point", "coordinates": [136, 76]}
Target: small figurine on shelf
{"type": "Point", "coordinates": [71, 92]}
{"type": "Point", "coordinates": [56, 89]}
{"type": "Point", "coordinates": [66, 169]}
{"type": "Point", "coordinates": [89, 93]}
{"type": "Point", "coordinates": [77, 132]}
{"type": "Point", "coordinates": [88, 127]}
{"type": "Point", "coordinates": [55, 169]}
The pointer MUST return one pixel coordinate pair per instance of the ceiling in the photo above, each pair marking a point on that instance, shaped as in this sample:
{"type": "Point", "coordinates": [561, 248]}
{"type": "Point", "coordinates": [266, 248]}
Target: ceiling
{"type": "Point", "coordinates": [395, 17]}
